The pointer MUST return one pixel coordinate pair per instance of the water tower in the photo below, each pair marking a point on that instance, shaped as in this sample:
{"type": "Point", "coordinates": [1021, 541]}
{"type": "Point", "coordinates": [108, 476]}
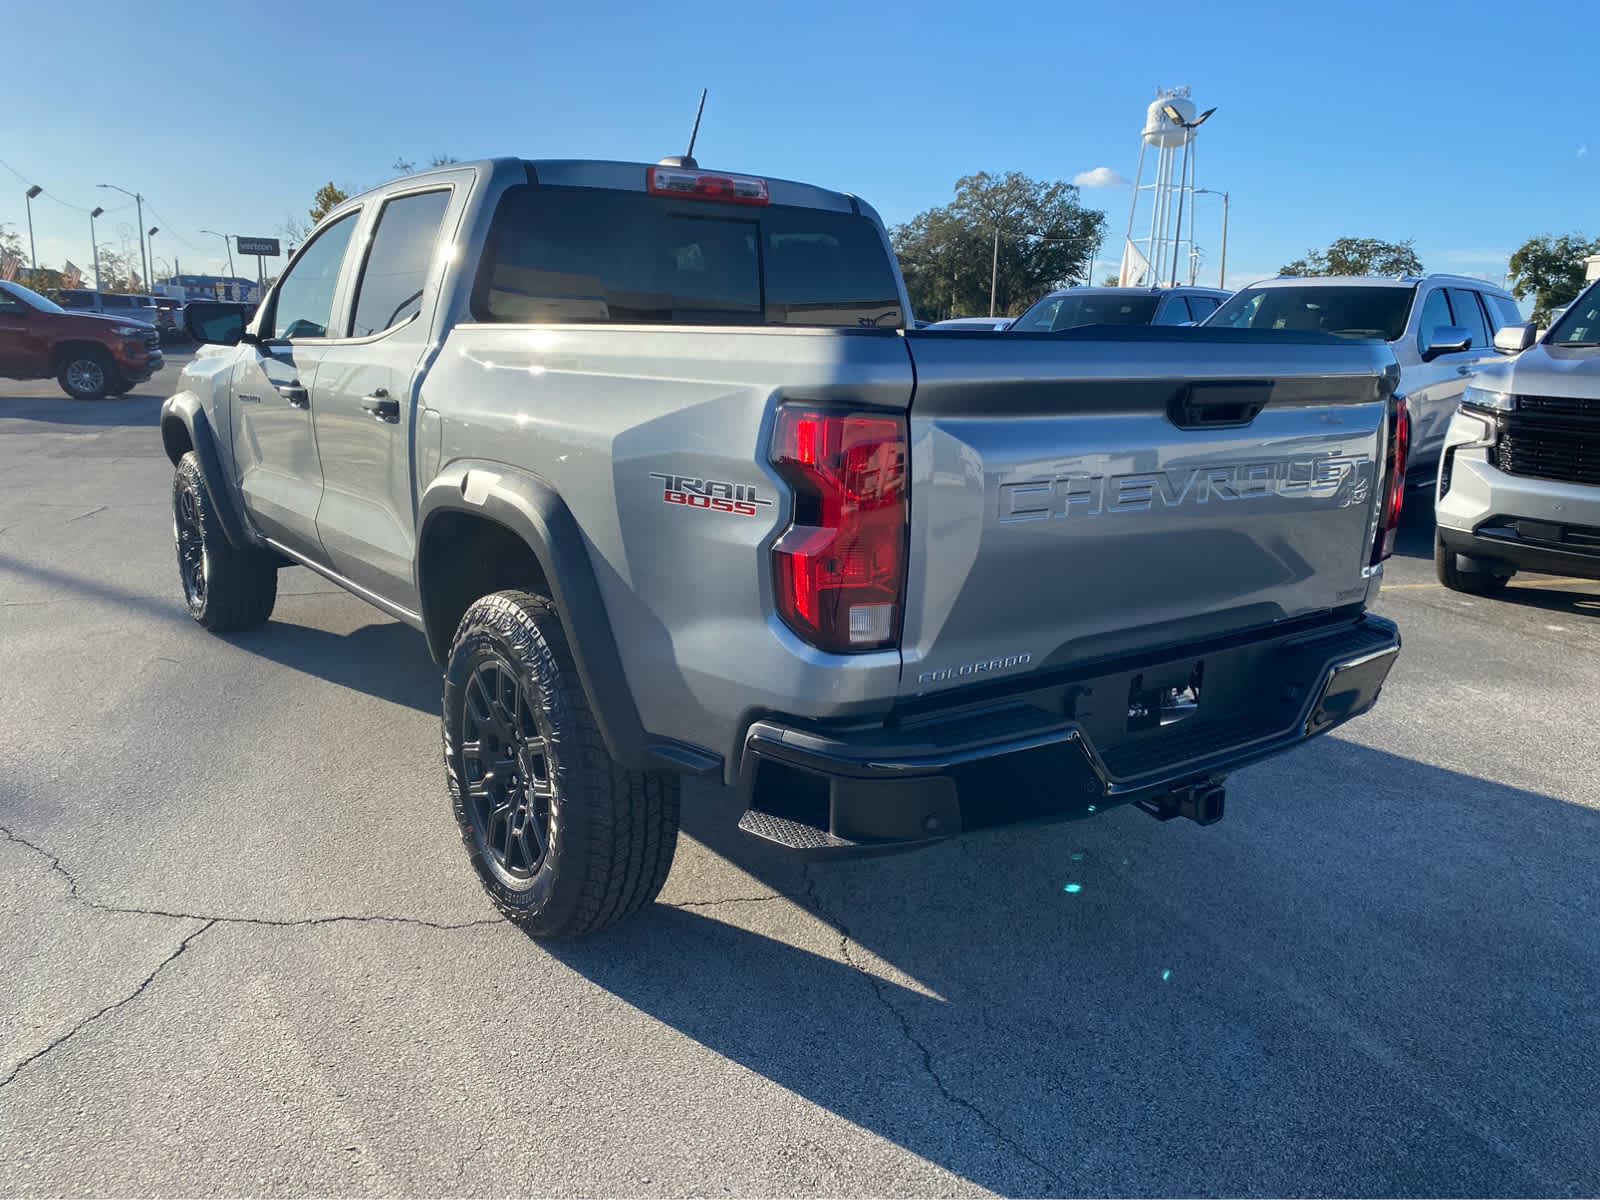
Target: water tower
{"type": "Point", "coordinates": [1159, 244]}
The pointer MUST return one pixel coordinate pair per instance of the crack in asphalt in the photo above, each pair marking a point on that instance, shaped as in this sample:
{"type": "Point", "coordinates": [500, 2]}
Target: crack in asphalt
{"type": "Point", "coordinates": [881, 992]}
{"type": "Point", "coordinates": [110, 1008]}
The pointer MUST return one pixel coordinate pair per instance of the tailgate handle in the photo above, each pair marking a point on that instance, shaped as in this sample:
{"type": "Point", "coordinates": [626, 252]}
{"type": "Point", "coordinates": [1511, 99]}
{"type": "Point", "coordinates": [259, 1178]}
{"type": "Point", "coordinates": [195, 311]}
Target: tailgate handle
{"type": "Point", "coordinates": [1219, 405]}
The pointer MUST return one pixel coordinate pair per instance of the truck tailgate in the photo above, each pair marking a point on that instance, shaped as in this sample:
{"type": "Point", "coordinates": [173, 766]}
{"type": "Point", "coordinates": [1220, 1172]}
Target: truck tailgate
{"type": "Point", "coordinates": [1079, 497]}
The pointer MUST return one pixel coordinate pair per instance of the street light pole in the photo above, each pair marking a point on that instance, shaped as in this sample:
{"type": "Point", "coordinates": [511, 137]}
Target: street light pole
{"type": "Point", "coordinates": [154, 229]}
{"type": "Point", "coordinates": [227, 244]}
{"type": "Point", "coordinates": [1222, 269]}
{"type": "Point", "coordinates": [994, 269]}
{"type": "Point", "coordinates": [1184, 182]}
{"type": "Point", "coordinates": [33, 252]}
{"type": "Point", "coordinates": [94, 245]}
{"type": "Point", "coordinates": [138, 202]}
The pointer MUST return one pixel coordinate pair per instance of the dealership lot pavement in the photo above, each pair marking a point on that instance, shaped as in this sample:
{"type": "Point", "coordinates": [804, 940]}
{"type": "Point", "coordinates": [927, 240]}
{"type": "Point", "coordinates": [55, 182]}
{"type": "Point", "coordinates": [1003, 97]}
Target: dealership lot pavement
{"type": "Point", "coordinates": [243, 952]}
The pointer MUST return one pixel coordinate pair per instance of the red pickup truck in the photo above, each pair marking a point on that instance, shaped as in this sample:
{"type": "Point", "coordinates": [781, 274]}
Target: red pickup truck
{"type": "Point", "coordinates": [90, 355]}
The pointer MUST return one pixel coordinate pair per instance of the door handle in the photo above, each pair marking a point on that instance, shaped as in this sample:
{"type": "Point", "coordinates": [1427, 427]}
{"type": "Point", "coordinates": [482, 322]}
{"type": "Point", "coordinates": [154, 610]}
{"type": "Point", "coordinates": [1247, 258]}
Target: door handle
{"type": "Point", "coordinates": [297, 397]}
{"type": "Point", "coordinates": [381, 407]}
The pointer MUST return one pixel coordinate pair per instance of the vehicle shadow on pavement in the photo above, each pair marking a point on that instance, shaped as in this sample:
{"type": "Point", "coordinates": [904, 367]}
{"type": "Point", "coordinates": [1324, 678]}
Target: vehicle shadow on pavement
{"type": "Point", "coordinates": [1375, 978]}
{"type": "Point", "coordinates": [386, 659]}
{"type": "Point", "coordinates": [135, 410]}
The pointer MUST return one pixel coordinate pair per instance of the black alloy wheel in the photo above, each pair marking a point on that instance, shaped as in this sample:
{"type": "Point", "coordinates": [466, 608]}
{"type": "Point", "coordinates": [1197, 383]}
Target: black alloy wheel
{"type": "Point", "coordinates": [508, 771]}
{"type": "Point", "coordinates": [191, 547]}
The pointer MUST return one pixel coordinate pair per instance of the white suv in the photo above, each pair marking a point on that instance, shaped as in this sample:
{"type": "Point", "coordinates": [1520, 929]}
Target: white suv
{"type": "Point", "coordinates": [1441, 328]}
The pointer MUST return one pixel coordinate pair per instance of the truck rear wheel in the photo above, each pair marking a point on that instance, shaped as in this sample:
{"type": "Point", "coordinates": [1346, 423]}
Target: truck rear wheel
{"type": "Point", "coordinates": [1473, 583]}
{"type": "Point", "coordinates": [87, 373]}
{"type": "Point", "coordinates": [227, 589]}
{"type": "Point", "coordinates": [565, 841]}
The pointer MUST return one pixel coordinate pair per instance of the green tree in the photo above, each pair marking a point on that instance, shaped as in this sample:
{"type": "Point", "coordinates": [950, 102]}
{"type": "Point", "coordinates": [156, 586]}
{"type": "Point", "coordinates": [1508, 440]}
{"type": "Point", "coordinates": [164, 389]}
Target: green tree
{"type": "Point", "coordinates": [328, 198]}
{"type": "Point", "coordinates": [1550, 269]}
{"type": "Point", "coordinates": [1359, 256]}
{"type": "Point", "coordinates": [116, 270]}
{"type": "Point", "coordinates": [1045, 239]}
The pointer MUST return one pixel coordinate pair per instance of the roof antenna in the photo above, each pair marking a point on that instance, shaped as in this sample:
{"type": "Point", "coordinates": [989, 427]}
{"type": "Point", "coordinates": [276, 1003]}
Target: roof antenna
{"type": "Point", "coordinates": [687, 161]}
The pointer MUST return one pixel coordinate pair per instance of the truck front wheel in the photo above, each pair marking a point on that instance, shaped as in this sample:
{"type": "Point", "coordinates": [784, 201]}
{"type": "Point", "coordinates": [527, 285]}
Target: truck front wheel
{"type": "Point", "coordinates": [87, 373]}
{"type": "Point", "coordinates": [565, 841]}
{"type": "Point", "coordinates": [226, 588]}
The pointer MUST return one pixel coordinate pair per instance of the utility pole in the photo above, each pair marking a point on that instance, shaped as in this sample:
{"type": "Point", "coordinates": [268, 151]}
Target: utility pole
{"type": "Point", "coordinates": [138, 201]}
{"type": "Point", "coordinates": [94, 245]}
{"type": "Point", "coordinates": [33, 253]}
{"type": "Point", "coordinates": [154, 229]}
{"type": "Point", "coordinates": [228, 244]}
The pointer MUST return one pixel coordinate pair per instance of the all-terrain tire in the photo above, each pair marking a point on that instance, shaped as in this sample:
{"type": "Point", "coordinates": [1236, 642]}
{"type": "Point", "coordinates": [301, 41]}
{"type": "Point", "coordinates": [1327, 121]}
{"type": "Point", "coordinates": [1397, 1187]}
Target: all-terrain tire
{"type": "Point", "coordinates": [87, 373]}
{"type": "Point", "coordinates": [565, 841]}
{"type": "Point", "coordinates": [1473, 583]}
{"type": "Point", "coordinates": [227, 589]}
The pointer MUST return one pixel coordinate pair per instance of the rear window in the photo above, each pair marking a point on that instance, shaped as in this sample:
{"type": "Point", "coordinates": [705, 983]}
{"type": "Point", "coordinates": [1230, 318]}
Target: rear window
{"type": "Point", "coordinates": [560, 254]}
{"type": "Point", "coordinates": [1353, 312]}
{"type": "Point", "coordinates": [1055, 313]}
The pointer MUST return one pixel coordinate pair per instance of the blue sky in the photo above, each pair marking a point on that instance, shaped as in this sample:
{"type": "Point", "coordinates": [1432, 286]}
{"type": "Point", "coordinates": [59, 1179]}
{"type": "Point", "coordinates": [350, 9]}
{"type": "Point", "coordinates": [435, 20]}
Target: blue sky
{"type": "Point", "coordinates": [1464, 125]}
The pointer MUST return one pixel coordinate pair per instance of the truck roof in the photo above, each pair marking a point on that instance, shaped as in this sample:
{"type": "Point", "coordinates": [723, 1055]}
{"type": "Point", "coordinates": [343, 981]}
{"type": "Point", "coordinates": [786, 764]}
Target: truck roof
{"type": "Point", "coordinates": [1482, 285]}
{"type": "Point", "coordinates": [625, 176]}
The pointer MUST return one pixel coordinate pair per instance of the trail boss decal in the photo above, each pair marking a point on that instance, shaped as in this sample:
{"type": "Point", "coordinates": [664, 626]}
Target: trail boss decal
{"type": "Point", "coordinates": [713, 495]}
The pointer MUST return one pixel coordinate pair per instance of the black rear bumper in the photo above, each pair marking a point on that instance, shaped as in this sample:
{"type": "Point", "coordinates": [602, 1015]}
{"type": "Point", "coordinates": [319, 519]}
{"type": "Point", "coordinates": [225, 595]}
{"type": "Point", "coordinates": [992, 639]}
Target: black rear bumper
{"type": "Point", "coordinates": [1069, 747]}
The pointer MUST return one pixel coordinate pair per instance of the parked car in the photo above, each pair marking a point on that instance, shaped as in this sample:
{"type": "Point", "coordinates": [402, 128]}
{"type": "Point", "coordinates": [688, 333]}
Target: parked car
{"type": "Point", "coordinates": [1519, 480]}
{"type": "Point", "coordinates": [1071, 308]}
{"type": "Point", "coordinates": [89, 354]}
{"type": "Point", "coordinates": [1441, 328]}
{"type": "Point", "coordinates": [112, 304]}
{"type": "Point", "coordinates": [989, 324]}
{"type": "Point", "coordinates": [635, 456]}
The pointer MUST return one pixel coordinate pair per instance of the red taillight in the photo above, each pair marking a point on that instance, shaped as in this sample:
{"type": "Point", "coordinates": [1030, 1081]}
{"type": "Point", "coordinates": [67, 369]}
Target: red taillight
{"type": "Point", "coordinates": [706, 185]}
{"type": "Point", "coordinates": [1394, 478]}
{"type": "Point", "coordinates": [841, 565]}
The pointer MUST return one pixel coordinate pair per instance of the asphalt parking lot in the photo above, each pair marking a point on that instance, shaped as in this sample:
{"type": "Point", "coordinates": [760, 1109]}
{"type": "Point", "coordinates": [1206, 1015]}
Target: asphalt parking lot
{"type": "Point", "coordinates": [243, 952]}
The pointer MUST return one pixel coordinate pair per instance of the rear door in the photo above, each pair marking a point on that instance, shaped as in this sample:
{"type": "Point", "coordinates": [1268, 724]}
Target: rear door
{"type": "Point", "coordinates": [363, 400]}
{"type": "Point", "coordinates": [274, 446]}
{"type": "Point", "coordinates": [1075, 497]}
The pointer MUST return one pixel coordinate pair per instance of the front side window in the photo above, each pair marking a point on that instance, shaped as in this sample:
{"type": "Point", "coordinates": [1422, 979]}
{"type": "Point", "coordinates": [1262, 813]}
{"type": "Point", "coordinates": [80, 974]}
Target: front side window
{"type": "Point", "coordinates": [1435, 316]}
{"type": "Point", "coordinates": [304, 304]}
{"type": "Point", "coordinates": [28, 298]}
{"type": "Point", "coordinates": [1502, 311]}
{"type": "Point", "coordinates": [390, 291]}
{"type": "Point", "coordinates": [1342, 311]}
{"type": "Point", "coordinates": [569, 254]}
{"type": "Point", "coordinates": [10, 304]}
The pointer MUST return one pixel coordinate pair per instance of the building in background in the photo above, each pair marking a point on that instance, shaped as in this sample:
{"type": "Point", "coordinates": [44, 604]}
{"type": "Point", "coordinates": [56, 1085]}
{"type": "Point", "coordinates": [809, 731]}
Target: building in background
{"type": "Point", "coordinates": [210, 287]}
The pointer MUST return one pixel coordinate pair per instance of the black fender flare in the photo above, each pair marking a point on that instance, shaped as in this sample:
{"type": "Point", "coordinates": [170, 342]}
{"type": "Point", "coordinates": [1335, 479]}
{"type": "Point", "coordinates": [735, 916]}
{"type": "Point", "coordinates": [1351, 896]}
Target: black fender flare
{"type": "Point", "coordinates": [536, 513]}
{"type": "Point", "coordinates": [183, 418]}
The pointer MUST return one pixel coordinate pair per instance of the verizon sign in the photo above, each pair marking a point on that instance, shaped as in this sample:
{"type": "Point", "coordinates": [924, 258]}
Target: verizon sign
{"type": "Point", "coordinates": [267, 247]}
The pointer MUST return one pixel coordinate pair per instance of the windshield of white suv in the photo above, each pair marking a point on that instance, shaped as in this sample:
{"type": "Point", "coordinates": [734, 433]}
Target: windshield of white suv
{"type": "Point", "coordinates": [1068, 311]}
{"type": "Point", "coordinates": [30, 297]}
{"type": "Point", "coordinates": [1352, 312]}
{"type": "Point", "coordinates": [1580, 324]}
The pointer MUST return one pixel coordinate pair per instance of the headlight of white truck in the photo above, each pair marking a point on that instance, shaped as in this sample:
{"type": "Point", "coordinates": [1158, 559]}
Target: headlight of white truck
{"type": "Point", "coordinates": [1494, 401]}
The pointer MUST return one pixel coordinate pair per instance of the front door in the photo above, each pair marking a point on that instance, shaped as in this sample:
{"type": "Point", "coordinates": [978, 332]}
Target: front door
{"type": "Point", "coordinates": [274, 442]}
{"type": "Point", "coordinates": [364, 407]}
{"type": "Point", "coordinates": [16, 349]}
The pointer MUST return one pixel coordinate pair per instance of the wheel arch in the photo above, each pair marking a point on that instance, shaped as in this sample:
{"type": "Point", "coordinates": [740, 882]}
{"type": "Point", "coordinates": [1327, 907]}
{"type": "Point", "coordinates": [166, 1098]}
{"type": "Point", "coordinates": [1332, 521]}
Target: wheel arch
{"type": "Point", "coordinates": [64, 350]}
{"type": "Point", "coordinates": [484, 527]}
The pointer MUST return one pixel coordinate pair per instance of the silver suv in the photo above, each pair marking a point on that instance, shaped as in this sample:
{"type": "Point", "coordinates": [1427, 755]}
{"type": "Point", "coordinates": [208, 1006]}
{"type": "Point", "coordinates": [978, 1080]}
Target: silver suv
{"type": "Point", "coordinates": [1441, 328]}
{"type": "Point", "coordinates": [1519, 482]}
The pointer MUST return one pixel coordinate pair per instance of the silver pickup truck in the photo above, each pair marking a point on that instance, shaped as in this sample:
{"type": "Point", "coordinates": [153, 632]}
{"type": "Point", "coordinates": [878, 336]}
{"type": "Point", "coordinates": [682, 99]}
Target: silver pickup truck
{"type": "Point", "coordinates": [654, 461]}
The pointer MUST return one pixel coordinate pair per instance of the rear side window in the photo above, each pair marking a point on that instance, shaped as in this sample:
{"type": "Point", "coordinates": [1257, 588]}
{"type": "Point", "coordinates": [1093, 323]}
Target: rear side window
{"type": "Point", "coordinates": [1464, 303]}
{"type": "Point", "coordinates": [1502, 312]}
{"type": "Point", "coordinates": [1202, 307]}
{"type": "Point", "coordinates": [390, 291]}
{"type": "Point", "coordinates": [560, 254]}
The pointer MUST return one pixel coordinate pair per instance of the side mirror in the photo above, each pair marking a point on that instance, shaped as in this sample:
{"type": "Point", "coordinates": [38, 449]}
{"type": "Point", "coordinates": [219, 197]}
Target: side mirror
{"type": "Point", "coordinates": [1447, 339]}
{"type": "Point", "coordinates": [214, 321]}
{"type": "Point", "coordinates": [1514, 339]}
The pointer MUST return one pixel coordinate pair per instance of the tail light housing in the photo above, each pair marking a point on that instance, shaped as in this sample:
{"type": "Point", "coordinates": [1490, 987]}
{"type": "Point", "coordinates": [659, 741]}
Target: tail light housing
{"type": "Point", "coordinates": [840, 567]}
{"type": "Point", "coordinates": [1394, 480]}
